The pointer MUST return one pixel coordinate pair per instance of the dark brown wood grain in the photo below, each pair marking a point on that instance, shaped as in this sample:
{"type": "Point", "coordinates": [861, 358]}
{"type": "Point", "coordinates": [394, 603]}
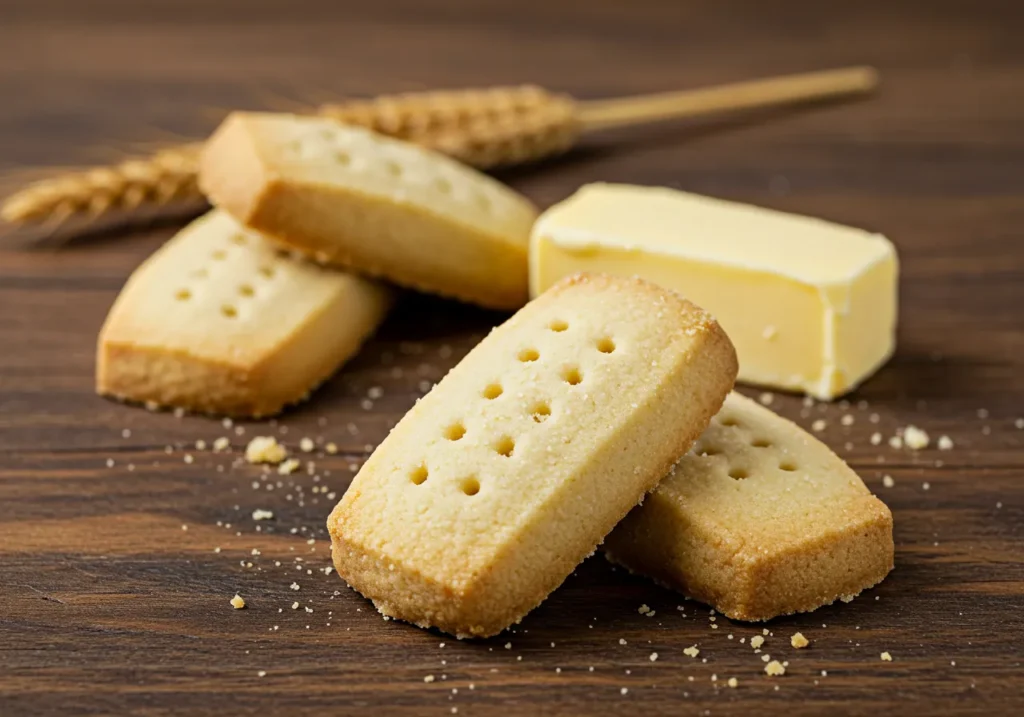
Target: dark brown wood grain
{"type": "Point", "coordinates": [108, 604]}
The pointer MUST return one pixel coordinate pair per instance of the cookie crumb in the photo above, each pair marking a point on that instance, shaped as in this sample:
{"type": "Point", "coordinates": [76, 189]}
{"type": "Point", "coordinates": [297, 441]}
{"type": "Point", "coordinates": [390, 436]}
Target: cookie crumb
{"type": "Point", "coordinates": [945, 443]}
{"type": "Point", "coordinates": [766, 398]}
{"type": "Point", "coordinates": [756, 641]}
{"type": "Point", "coordinates": [265, 449]}
{"type": "Point", "coordinates": [289, 466]}
{"type": "Point", "coordinates": [887, 481]}
{"type": "Point", "coordinates": [306, 445]}
{"type": "Point", "coordinates": [799, 641]}
{"type": "Point", "coordinates": [774, 669]}
{"type": "Point", "coordinates": [237, 602]}
{"type": "Point", "coordinates": [915, 438]}
{"type": "Point", "coordinates": [896, 442]}
{"type": "Point", "coordinates": [331, 448]}
{"type": "Point", "coordinates": [886, 657]}
{"type": "Point", "coordinates": [876, 438]}
{"type": "Point", "coordinates": [732, 682]}
{"type": "Point", "coordinates": [428, 678]}
{"type": "Point", "coordinates": [691, 651]}
{"type": "Point", "coordinates": [654, 657]}
{"type": "Point", "coordinates": [261, 514]}
{"type": "Point", "coordinates": [221, 444]}
{"type": "Point", "coordinates": [819, 425]}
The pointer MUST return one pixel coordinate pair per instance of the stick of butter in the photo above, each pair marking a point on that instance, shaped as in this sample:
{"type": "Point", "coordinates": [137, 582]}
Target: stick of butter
{"type": "Point", "coordinates": [809, 305]}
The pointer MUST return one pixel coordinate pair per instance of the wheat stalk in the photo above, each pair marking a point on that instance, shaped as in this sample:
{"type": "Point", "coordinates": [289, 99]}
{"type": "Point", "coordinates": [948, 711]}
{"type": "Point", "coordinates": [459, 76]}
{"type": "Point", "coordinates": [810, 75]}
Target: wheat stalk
{"type": "Point", "coordinates": [484, 128]}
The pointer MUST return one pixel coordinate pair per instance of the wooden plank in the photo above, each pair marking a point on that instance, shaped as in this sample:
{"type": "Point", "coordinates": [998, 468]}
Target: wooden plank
{"type": "Point", "coordinates": [109, 604]}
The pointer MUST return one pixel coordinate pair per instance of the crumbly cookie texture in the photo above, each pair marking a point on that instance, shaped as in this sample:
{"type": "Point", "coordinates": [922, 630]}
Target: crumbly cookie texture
{"type": "Point", "coordinates": [510, 472]}
{"type": "Point", "coordinates": [382, 207]}
{"type": "Point", "coordinates": [759, 519]}
{"type": "Point", "coordinates": [220, 321]}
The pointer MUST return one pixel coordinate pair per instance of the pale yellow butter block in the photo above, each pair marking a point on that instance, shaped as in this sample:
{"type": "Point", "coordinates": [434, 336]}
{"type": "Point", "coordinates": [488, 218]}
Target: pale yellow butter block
{"type": "Point", "coordinates": [810, 305]}
{"type": "Point", "coordinates": [759, 519]}
{"type": "Point", "coordinates": [219, 320]}
{"type": "Point", "coordinates": [512, 470]}
{"type": "Point", "coordinates": [376, 205]}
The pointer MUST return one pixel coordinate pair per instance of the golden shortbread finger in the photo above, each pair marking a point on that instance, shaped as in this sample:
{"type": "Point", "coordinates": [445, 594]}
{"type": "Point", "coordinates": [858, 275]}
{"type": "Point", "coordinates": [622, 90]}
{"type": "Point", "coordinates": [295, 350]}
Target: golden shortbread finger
{"type": "Point", "coordinates": [759, 519]}
{"type": "Point", "coordinates": [219, 320]}
{"type": "Point", "coordinates": [495, 485]}
{"type": "Point", "coordinates": [379, 206]}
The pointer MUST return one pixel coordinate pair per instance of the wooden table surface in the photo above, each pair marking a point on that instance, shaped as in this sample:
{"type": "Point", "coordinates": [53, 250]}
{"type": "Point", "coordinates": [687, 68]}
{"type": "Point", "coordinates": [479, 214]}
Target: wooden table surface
{"type": "Point", "coordinates": [119, 553]}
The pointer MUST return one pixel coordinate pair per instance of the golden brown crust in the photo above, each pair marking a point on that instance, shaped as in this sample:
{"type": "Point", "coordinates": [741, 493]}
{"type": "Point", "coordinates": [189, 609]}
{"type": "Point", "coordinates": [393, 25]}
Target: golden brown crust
{"type": "Point", "coordinates": [794, 531]}
{"type": "Point", "coordinates": [217, 322]}
{"type": "Point", "coordinates": [387, 209]}
{"type": "Point", "coordinates": [649, 370]}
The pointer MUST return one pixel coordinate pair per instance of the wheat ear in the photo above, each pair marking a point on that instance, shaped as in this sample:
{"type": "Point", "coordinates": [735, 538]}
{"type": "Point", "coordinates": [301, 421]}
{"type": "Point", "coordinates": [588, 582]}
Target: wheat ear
{"type": "Point", "coordinates": [484, 128]}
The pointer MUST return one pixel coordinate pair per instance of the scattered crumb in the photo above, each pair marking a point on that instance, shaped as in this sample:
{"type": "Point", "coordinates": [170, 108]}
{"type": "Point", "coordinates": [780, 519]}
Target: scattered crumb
{"type": "Point", "coordinates": [691, 651]}
{"type": "Point", "coordinates": [643, 609]}
{"type": "Point", "coordinates": [887, 481]}
{"type": "Point", "coordinates": [915, 438]}
{"type": "Point", "coordinates": [733, 682]}
{"type": "Point", "coordinates": [1019, 423]}
{"type": "Point", "coordinates": [265, 449]}
{"type": "Point", "coordinates": [306, 445]}
{"type": "Point", "coordinates": [799, 641]}
{"type": "Point", "coordinates": [331, 448]}
{"type": "Point", "coordinates": [819, 425]}
{"type": "Point", "coordinates": [876, 438]}
{"type": "Point", "coordinates": [294, 586]}
{"type": "Point", "coordinates": [982, 413]}
{"type": "Point", "coordinates": [774, 668]}
{"type": "Point", "coordinates": [847, 420]}
{"type": "Point", "coordinates": [221, 444]}
{"type": "Point", "coordinates": [622, 641]}
{"type": "Point", "coordinates": [945, 443]}
{"type": "Point", "coordinates": [756, 641]}
{"type": "Point", "coordinates": [896, 442]}
{"type": "Point", "coordinates": [926, 485]}
{"type": "Point", "coordinates": [886, 657]}
{"type": "Point", "coordinates": [188, 458]}
{"type": "Point", "coordinates": [654, 657]}
{"type": "Point", "coordinates": [261, 514]}
{"type": "Point", "coordinates": [624, 690]}
{"type": "Point", "coordinates": [289, 466]}
{"type": "Point", "coordinates": [237, 602]}
{"type": "Point", "coordinates": [766, 398]}
{"type": "Point", "coordinates": [428, 678]}
{"type": "Point", "coordinates": [261, 673]}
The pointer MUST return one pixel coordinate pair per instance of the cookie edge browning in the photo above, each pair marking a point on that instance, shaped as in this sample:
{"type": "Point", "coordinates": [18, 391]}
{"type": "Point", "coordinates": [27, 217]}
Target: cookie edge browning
{"type": "Point", "coordinates": [472, 612]}
{"type": "Point", "coordinates": [745, 591]}
{"type": "Point", "coordinates": [134, 371]}
{"type": "Point", "coordinates": [237, 179]}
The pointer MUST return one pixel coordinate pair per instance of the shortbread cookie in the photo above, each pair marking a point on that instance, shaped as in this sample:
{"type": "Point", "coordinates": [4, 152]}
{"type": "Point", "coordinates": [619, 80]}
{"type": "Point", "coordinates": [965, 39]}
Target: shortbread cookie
{"type": "Point", "coordinates": [377, 205]}
{"type": "Point", "coordinates": [490, 491]}
{"type": "Point", "coordinates": [759, 519]}
{"type": "Point", "coordinates": [221, 321]}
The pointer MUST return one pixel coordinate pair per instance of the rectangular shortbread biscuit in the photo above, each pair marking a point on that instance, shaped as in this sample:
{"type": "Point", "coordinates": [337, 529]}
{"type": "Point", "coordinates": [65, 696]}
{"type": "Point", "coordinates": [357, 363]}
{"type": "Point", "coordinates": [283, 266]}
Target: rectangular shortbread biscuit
{"type": "Point", "coordinates": [490, 491]}
{"type": "Point", "coordinates": [759, 519]}
{"type": "Point", "coordinates": [221, 321]}
{"type": "Point", "coordinates": [379, 206]}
